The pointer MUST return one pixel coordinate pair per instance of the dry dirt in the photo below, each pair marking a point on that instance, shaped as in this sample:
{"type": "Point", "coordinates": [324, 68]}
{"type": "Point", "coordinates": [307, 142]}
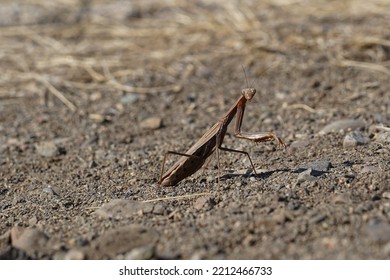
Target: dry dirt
{"type": "Point", "coordinates": [93, 93]}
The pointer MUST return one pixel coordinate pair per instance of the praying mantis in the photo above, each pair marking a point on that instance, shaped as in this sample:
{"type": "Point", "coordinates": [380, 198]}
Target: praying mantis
{"type": "Point", "coordinates": [192, 160]}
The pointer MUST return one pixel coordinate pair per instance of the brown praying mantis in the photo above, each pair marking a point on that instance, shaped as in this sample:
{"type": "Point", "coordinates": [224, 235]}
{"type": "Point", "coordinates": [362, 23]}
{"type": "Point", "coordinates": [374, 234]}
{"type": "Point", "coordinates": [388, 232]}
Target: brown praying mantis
{"type": "Point", "coordinates": [192, 160]}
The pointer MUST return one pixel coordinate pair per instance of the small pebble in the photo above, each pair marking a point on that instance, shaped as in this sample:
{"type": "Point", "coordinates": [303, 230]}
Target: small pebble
{"type": "Point", "coordinates": [299, 145]}
{"type": "Point", "coordinates": [383, 137]}
{"type": "Point", "coordinates": [29, 240]}
{"type": "Point", "coordinates": [140, 253]}
{"type": "Point", "coordinates": [354, 139]}
{"type": "Point", "coordinates": [121, 240]}
{"type": "Point", "coordinates": [74, 254]}
{"type": "Point", "coordinates": [204, 202]}
{"type": "Point", "coordinates": [350, 175]}
{"type": "Point", "coordinates": [306, 176]}
{"type": "Point", "coordinates": [129, 98]}
{"type": "Point", "coordinates": [341, 199]}
{"type": "Point", "coordinates": [100, 118]}
{"type": "Point", "coordinates": [318, 219]}
{"type": "Point", "coordinates": [33, 221]}
{"type": "Point", "coordinates": [151, 123]}
{"type": "Point", "coordinates": [386, 195]}
{"type": "Point", "coordinates": [159, 209]}
{"type": "Point", "coordinates": [369, 169]}
{"type": "Point", "coordinates": [95, 96]}
{"type": "Point", "coordinates": [47, 149]}
{"type": "Point", "coordinates": [48, 190]}
{"type": "Point", "coordinates": [294, 204]}
{"type": "Point", "coordinates": [378, 231]}
{"type": "Point", "coordinates": [92, 164]}
{"type": "Point", "coordinates": [198, 255]}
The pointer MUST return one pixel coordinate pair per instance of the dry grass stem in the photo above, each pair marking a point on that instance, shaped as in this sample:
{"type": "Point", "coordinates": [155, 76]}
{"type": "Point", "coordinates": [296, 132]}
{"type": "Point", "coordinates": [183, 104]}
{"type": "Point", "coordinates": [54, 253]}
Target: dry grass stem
{"type": "Point", "coordinates": [304, 107]}
{"type": "Point", "coordinates": [168, 88]}
{"type": "Point", "coordinates": [55, 91]}
{"type": "Point", "coordinates": [179, 197]}
{"type": "Point", "coordinates": [382, 127]}
{"type": "Point", "coordinates": [364, 65]}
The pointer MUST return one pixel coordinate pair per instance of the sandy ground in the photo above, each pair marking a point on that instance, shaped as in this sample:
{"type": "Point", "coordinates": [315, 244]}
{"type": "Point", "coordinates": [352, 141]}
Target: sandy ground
{"type": "Point", "coordinates": [93, 93]}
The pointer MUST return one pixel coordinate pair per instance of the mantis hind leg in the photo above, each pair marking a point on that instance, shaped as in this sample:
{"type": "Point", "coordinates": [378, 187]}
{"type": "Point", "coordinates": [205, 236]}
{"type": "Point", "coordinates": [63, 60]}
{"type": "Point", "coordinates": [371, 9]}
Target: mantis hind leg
{"type": "Point", "coordinates": [208, 160]}
{"type": "Point", "coordinates": [241, 152]}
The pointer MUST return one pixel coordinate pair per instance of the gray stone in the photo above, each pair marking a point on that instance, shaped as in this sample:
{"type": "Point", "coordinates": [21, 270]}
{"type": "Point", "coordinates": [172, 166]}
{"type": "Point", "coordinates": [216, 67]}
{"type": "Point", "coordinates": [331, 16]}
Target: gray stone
{"type": "Point", "coordinates": [129, 98]}
{"type": "Point", "coordinates": [369, 169]}
{"type": "Point", "coordinates": [306, 176]}
{"type": "Point", "coordinates": [159, 209]}
{"type": "Point", "coordinates": [383, 137]}
{"type": "Point", "coordinates": [121, 208]}
{"type": "Point", "coordinates": [354, 139]}
{"type": "Point", "coordinates": [342, 126]}
{"type": "Point", "coordinates": [47, 149]}
{"type": "Point", "coordinates": [30, 240]}
{"type": "Point", "coordinates": [204, 202]}
{"type": "Point", "coordinates": [120, 241]}
{"type": "Point", "coordinates": [319, 165]}
{"type": "Point", "coordinates": [299, 145]}
{"type": "Point", "coordinates": [378, 231]}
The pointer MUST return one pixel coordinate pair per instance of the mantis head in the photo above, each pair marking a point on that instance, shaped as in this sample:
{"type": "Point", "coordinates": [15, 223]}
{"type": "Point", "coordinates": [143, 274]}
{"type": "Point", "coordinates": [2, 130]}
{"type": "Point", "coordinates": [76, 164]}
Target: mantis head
{"type": "Point", "coordinates": [248, 93]}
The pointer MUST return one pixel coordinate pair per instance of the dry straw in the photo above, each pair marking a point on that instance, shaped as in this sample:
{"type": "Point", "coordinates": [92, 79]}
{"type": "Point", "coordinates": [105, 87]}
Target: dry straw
{"type": "Point", "coordinates": [68, 47]}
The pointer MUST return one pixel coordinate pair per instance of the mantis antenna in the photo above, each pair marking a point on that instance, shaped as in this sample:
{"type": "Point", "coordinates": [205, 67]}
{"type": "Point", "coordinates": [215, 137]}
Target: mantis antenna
{"type": "Point", "coordinates": [263, 72]}
{"type": "Point", "coordinates": [246, 79]}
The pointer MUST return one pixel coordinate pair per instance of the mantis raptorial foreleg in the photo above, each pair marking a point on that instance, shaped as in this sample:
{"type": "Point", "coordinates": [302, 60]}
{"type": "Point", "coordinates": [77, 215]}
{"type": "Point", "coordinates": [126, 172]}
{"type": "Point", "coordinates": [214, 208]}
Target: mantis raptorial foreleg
{"type": "Point", "coordinates": [221, 134]}
{"type": "Point", "coordinates": [255, 137]}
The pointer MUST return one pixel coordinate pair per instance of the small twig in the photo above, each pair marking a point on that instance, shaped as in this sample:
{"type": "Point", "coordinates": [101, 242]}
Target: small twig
{"type": "Point", "coordinates": [113, 82]}
{"type": "Point", "coordinates": [373, 40]}
{"type": "Point", "coordinates": [303, 106]}
{"type": "Point", "coordinates": [54, 91]}
{"type": "Point", "coordinates": [141, 90]}
{"type": "Point", "coordinates": [81, 159]}
{"type": "Point", "coordinates": [364, 65]}
{"type": "Point", "coordinates": [382, 127]}
{"type": "Point", "coordinates": [176, 197]}
{"type": "Point", "coordinates": [95, 75]}
{"type": "Point", "coordinates": [92, 208]}
{"type": "Point", "coordinates": [189, 196]}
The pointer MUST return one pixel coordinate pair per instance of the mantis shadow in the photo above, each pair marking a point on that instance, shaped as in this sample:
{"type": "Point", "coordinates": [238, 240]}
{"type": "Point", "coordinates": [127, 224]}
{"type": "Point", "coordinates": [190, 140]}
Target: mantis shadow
{"type": "Point", "coordinates": [249, 173]}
